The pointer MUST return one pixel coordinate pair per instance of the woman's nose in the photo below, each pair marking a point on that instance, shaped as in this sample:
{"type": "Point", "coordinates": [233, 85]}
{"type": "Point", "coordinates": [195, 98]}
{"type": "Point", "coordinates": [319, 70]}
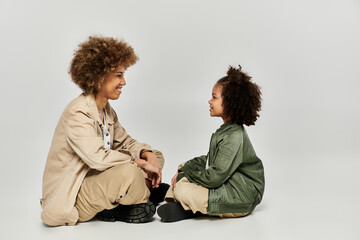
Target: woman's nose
{"type": "Point", "coordinates": [122, 81]}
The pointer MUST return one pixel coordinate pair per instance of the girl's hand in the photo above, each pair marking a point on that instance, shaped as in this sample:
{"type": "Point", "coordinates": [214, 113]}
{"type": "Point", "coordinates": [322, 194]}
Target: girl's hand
{"type": "Point", "coordinates": [173, 181]}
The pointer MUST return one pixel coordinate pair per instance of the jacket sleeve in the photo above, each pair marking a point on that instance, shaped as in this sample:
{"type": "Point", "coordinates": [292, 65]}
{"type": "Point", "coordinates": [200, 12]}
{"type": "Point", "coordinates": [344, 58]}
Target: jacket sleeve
{"type": "Point", "coordinates": [197, 163]}
{"type": "Point", "coordinates": [122, 140]}
{"type": "Point", "coordinates": [82, 135]}
{"type": "Point", "coordinates": [227, 158]}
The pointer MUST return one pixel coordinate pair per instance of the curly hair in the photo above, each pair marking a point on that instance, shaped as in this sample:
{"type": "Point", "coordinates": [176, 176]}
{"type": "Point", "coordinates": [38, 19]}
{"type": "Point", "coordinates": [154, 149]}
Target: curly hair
{"type": "Point", "coordinates": [241, 97]}
{"type": "Point", "coordinates": [95, 58]}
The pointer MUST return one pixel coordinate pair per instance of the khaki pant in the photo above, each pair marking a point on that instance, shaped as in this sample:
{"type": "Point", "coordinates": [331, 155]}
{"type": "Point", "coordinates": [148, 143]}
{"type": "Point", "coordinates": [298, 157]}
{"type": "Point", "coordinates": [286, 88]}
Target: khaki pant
{"type": "Point", "coordinates": [122, 184]}
{"type": "Point", "coordinates": [194, 197]}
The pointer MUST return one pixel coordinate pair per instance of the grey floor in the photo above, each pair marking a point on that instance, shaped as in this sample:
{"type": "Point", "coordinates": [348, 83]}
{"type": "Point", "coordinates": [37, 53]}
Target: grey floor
{"type": "Point", "coordinates": [311, 200]}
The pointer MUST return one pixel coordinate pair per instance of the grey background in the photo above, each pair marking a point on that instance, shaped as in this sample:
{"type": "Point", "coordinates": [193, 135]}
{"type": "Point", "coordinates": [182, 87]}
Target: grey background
{"type": "Point", "coordinates": [304, 54]}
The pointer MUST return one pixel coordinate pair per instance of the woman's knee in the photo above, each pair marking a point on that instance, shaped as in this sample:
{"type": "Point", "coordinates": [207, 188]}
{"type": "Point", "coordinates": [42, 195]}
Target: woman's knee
{"type": "Point", "coordinates": [121, 176]}
{"type": "Point", "coordinates": [160, 157]}
{"type": "Point", "coordinates": [126, 171]}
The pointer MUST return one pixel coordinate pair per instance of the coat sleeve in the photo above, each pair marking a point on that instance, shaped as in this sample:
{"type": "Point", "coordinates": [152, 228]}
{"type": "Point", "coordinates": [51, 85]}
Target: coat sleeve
{"type": "Point", "coordinates": [227, 158]}
{"type": "Point", "coordinates": [197, 163]}
{"type": "Point", "coordinates": [82, 135]}
{"type": "Point", "coordinates": [122, 140]}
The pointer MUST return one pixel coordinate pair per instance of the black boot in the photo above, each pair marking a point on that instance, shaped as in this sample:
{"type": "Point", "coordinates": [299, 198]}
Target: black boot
{"type": "Point", "coordinates": [137, 213]}
{"type": "Point", "coordinates": [157, 195]}
{"type": "Point", "coordinates": [173, 212]}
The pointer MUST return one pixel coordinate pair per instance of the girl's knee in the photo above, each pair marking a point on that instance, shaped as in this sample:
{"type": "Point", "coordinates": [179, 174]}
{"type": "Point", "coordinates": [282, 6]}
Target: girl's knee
{"type": "Point", "coordinates": [181, 192]}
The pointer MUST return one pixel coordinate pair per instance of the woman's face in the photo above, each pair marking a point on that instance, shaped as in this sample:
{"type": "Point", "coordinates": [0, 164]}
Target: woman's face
{"type": "Point", "coordinates": [114, 81]}
{"type": "Point", "coordinates": [216, 107]}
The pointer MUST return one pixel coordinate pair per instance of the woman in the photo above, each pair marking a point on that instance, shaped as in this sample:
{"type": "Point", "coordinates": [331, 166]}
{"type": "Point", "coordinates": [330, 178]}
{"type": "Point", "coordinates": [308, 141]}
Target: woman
{"type": "Point", "coordinates": [94, 167]}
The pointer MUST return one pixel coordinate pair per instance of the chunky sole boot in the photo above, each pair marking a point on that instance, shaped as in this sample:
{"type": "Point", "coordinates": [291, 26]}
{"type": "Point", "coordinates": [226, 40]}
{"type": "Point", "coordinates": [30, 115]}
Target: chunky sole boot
{"type": "Point", "coordinates": [173, 212]}
{"type": "Point", "coordinates": [106, 215]}
{"type": "Point", "coordinates": [157, 195]}
{"type": "Point", "coordinates": [137, 213]}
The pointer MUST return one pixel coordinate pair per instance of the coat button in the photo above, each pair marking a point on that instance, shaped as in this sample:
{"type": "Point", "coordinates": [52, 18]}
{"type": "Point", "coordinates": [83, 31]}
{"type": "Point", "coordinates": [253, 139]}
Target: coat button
{"type": "Point", "coordinates": [107, 134]}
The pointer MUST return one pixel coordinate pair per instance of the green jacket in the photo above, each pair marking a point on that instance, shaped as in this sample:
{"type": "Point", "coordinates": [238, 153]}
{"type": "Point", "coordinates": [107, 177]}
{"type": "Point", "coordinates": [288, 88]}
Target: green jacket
{"type": "Point", "coordinates": [235, 175]}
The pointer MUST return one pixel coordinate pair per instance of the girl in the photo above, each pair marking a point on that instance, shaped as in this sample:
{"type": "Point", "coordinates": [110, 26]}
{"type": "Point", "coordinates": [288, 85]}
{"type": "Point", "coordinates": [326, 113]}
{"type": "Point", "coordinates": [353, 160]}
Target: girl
{"type": "Point", "coordinates": [229, 180]}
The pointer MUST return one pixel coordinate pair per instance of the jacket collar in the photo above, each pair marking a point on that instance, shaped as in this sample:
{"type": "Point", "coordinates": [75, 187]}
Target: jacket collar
{"type": "Point", "coordinates": [226, 125]}
{"type": "Point", "coordinates": [93, 111]}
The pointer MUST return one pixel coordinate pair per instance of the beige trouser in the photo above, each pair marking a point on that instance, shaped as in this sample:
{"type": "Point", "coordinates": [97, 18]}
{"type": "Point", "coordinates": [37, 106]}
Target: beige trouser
{"type": "Point", "coordinates": [194, 197]}
{"type": "Point", "coordinates": [122, 184]}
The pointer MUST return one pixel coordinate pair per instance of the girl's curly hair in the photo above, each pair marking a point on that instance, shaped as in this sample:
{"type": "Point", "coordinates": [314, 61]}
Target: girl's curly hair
{"type": "Point", "coordinates": [95, 58]}
{"type": "Point", "coordinates": [241, 97]}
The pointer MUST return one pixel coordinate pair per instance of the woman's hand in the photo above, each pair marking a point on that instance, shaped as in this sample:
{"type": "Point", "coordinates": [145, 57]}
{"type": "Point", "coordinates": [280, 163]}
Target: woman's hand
{"type": "Point", "coordinates": [151, 158]}
{"type": "Point", "coordinates": [153, 172]}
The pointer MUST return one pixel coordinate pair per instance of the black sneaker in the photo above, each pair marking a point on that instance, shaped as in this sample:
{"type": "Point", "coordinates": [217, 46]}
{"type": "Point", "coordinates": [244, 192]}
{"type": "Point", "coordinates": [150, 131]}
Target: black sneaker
{"type": "Point", "coordinates": [157, 195]}
{"type": "Point", "coordinates": [173, 212]}
{"type": "Point", "coordinates": [137, 213]}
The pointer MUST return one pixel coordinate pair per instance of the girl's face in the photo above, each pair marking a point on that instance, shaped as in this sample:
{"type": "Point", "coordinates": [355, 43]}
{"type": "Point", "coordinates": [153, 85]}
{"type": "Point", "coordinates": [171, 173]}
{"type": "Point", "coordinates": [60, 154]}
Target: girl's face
{"type": "Point", "coordinates": [216, 107]}
{"type": "Point", "coordinates": [114, 81]}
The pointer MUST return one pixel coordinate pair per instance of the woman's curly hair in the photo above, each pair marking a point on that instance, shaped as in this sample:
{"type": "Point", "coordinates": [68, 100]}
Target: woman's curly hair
{"type": "Point", "coordinates": [95, 58]}
{"type": "Point", "coordinates": [241, 97]}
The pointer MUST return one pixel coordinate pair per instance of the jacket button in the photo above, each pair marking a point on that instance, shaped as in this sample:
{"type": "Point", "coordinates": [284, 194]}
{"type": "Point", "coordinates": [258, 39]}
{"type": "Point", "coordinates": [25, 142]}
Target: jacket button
{"type": "Point", "coordinates": [107, 134]}
{"type": "Point", "coordinates": [108, 143]}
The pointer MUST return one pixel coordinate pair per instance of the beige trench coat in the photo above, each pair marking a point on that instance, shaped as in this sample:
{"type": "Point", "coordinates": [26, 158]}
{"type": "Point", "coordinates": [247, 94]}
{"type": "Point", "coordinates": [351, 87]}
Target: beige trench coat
{"type": "Point", "coordinates": [77, 147]}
